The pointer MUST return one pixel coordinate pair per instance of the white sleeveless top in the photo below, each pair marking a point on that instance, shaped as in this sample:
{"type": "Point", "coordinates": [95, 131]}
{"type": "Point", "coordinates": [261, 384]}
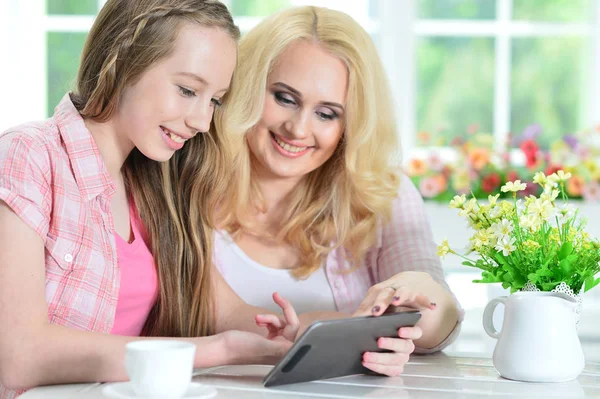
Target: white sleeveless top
{"type": "Point", "coordinates": [255, 283]}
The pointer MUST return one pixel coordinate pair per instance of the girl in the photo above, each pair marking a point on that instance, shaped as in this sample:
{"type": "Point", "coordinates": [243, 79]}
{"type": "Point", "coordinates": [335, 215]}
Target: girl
{"type": "Point", "coordinates": [330, 220]}
{"type": "Point", "coordinates": [83, 219]}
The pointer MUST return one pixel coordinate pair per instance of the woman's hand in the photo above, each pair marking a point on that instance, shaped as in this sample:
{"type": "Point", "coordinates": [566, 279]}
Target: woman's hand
{"type": "Point", "coordinates": [397, 293]}
{"type": "Point", "coordinates": [286, 326]}
{"type": "Point", "coordinates": [400, 290]}
{"type": "Point", "coordinates": [392, 364]}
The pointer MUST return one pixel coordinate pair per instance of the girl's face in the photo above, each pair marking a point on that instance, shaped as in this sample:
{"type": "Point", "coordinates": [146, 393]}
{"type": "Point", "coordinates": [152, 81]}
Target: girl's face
{"type": "Point", "coordinates": [303, 117]}
{"type": "Point", "coordinates": [175, 98]}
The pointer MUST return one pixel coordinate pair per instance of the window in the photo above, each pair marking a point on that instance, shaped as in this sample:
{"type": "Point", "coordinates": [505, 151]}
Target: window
{"type": "Point", "coordinates": [502, 65]}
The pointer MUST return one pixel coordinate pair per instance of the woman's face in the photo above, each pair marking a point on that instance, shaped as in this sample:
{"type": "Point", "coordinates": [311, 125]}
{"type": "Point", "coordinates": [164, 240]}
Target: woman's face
{"type": "Point", "coordinates": [304, 113]}
{"type": "Point", "coordinates": [175, 99]}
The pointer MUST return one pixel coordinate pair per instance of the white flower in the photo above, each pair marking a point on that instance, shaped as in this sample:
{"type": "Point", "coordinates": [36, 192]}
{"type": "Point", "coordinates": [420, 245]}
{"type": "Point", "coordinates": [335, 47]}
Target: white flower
{"type": "Point", "coordinates": [542, 209]}
{"type": "Point", "coordinates": [540, 178]}
{"type": "Point", "coordinates": [549, 194]}
{"type": "Point", "coordinates": [469, 207]}
{"type": "Point", "coordinates": [565, 213]}
{"type": "Point", "coordinates": [493, 199]}
{"type": "Point", "coordinates": [458, 201]}
{"type": "Point", "coordinates": [562, 176]}
{"type": "Point", "coordinates": [559, 176]}
{"type": "Point", "coordinates": [502, 229]}
{"type": "Point", "coordinates": [506, 245]}
{"type": "Point", "coordinates": [481, 239]}
{"type": "Point", "coordinates": [513, 186]}
{"type": "Point", "coordinates": [496, 212]}
{"type": "Point", "coordinates": [520, 207]}
{"type": "Point", "coordinates": [531, 222]}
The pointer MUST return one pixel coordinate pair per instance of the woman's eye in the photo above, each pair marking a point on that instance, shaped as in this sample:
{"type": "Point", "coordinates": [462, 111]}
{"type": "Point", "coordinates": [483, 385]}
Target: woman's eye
{"type": "Point", "coordinates": [326, 116]}
{"type": "Point", "coordinates": [186, 92]}
{"type": "Point", "coordinates": [216, 102]}
{"type": "Point", "coordinates": [284, 99]}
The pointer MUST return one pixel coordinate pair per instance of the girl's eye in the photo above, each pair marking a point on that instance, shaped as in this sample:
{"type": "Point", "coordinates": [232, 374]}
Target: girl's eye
{"type": "Point", "coordinates": [284, 99]}
{"type": "Point", "coordinates": [216, 102]}
{"type": "Point", "coordinates": [186, 92]}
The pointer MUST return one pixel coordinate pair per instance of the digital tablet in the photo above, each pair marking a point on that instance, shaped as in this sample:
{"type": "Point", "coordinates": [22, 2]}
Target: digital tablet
{"type": "Point", "coordinates": [334, 348]}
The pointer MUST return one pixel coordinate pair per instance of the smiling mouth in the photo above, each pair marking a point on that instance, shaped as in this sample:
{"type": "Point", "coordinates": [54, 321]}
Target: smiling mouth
{"type": "Point", "coordinates": [286, 146]}
{"type": "Point", "coordinates": [173, 136]}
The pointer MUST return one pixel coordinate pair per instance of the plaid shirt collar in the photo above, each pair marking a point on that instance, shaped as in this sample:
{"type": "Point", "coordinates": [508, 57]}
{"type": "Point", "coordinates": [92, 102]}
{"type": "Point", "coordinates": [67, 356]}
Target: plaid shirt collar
{"type": "Point", "coordinates": [89, 169]}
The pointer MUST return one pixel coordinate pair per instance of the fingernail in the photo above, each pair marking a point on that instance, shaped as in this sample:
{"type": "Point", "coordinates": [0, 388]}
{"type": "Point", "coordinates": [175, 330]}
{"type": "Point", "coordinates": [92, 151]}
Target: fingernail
{"type": "Point", "coordinates": [376, 309]}
{"type": "Point", "coordinates": [396, 298]}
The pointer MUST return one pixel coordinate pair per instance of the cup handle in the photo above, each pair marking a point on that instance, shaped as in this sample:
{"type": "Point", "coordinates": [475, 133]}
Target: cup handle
{"type": "Point", "coordinates": [488, 316]}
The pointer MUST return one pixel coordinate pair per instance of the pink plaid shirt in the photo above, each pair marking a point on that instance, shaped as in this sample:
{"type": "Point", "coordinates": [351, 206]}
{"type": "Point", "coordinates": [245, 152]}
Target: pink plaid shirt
{"type": "Point", "coordinates": [404, 244]}
{"type": "Point", "coordinates": [53, 178]}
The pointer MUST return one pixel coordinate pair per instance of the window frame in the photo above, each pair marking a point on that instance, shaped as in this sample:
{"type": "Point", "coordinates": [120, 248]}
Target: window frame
{"type": "Point", "coordinates": [396, 28]}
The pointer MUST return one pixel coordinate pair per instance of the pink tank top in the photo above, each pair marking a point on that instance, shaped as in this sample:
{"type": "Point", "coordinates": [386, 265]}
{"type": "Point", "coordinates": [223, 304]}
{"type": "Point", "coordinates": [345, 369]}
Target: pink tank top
{"type": "Point", "coordinates": [139, 283]}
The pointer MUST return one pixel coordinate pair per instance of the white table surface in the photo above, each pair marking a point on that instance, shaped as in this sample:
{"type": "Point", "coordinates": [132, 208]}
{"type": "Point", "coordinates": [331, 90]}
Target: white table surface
{"type": "Point", "coordinates": [439, 376]}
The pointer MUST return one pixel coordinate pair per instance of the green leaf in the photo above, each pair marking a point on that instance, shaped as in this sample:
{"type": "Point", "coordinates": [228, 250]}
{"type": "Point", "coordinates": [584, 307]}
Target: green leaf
{"type": "Point", "coordinates": [566, 266]}
{"type": "Point", "coordinates": [501, 259]}
{"type": "Point", "coordinates": [549, 286]}
{"type": "Point", "coordinates": [545, 273]}
{"type": "Point", "coordinates": [468, 263]}
{"type": "Point", "coordinates": [565, 250]}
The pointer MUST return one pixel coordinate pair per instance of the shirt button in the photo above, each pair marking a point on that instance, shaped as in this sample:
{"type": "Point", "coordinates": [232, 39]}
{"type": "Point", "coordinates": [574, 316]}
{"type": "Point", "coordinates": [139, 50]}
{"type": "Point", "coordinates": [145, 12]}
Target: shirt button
{"type": "Point", "coordinates": [68, 258]}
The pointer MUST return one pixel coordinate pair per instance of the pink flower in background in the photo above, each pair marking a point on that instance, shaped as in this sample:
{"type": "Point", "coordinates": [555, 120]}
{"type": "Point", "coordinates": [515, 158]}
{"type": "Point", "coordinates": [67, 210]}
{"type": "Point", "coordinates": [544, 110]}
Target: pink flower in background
{"type": "Point", "coordinates": [592, 192]}
{"type": "Point", "coordinates": [430, 187]}
{"type": "Point", "coordinates": [435, 162]}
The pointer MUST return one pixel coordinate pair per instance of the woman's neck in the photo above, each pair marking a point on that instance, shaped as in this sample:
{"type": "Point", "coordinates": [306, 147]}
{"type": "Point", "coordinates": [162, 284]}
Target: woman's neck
{"type": "Point", "coordinates": [276, 192]}
{"type": "Point", "coordinates": [113, 147]}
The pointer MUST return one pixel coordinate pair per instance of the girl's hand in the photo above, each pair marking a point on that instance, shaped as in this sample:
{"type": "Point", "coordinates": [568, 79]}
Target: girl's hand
{"type": "Point", "coordinates": [286, 326]}
{"type": "Point", "coordinates": [242, 347]}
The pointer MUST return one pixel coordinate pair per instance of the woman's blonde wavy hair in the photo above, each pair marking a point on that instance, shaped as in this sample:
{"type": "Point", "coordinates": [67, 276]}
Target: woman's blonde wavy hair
{"type": "Point", "coordinates": [341, 203]}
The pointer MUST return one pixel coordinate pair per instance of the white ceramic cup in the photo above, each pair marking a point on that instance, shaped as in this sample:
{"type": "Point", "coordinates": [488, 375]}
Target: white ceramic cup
{"type": "Point", "coordinates": [160, 368]}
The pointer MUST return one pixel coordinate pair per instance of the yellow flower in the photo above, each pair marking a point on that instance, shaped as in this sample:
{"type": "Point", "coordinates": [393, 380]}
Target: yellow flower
{"type": "Point", "coordinates": [458, 201]}
{"type": "Point", "coordinates": [443, 249]}
{"type": "Point", "coordinates": [513, 186]}
{"type": "Point", "coordinates": [493, 199]}
{"type": "Point", "coordinates": [560, 176]}
{"type": "Point", "coordinates": [540, 178]}
{"type": "Point", "coordinates": [468, 208]}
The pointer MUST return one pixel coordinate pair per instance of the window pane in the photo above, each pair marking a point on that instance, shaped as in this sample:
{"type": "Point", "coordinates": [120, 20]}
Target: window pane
{"type": "Point", "coordinates": [71, 7]}
{"type": "Point", "coordinates": [553, 10]}
{"type": "Point", "coordinates": [457, 9]}
{"type": "Point", "coordinates": [64, 50]}
{"type": "Point", "coordinates": [548, 76]}
{"type": "Point", "coordinates": [455, 88]}
{"type": "Point", "coordinates": [256, 8]}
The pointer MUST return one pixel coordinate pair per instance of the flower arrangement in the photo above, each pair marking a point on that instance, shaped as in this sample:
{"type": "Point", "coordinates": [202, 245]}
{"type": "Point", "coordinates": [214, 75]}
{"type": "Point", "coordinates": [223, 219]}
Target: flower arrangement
{"type": "Point", "coordinates": [480, 169]}
{"type": "Point", "coordinates": [532, 243]}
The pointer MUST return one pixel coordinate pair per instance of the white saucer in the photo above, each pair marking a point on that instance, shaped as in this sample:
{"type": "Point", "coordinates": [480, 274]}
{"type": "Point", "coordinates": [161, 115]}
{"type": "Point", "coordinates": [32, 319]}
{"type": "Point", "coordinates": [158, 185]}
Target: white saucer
{"type": "Point", "coordinates": [123, 390]}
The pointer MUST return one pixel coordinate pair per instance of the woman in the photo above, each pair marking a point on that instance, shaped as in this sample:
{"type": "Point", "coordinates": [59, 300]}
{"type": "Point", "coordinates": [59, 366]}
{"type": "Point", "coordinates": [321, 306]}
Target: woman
{"type": "Point", "coordinates": [318, 209]}
{"type": "Point", "coordinates": [83, 220]}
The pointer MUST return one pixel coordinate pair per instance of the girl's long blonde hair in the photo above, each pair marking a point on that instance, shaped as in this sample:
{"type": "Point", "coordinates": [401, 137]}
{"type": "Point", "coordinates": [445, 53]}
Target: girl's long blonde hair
{"type": "Point", "coordinates": [127, 38]}
{"type": "Point", "coordinates": [341, 203]}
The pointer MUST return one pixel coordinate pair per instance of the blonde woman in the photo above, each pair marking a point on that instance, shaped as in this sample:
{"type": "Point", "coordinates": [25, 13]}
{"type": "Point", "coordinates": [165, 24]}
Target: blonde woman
{"type": "Point", "coordinates": [318, 209]}
{"type": "Point", "coordinates": [98, 245]}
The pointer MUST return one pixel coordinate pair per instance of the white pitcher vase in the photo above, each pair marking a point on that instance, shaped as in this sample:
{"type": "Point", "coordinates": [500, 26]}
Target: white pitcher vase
{"type": "Point", "coordinates": [538, 341]}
